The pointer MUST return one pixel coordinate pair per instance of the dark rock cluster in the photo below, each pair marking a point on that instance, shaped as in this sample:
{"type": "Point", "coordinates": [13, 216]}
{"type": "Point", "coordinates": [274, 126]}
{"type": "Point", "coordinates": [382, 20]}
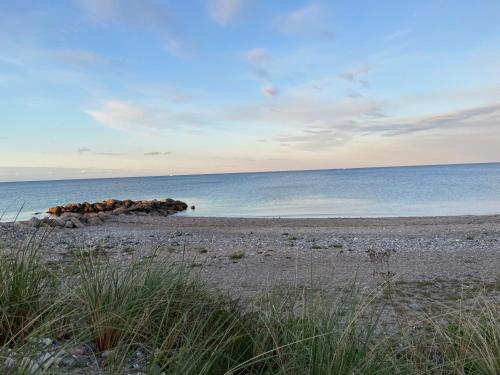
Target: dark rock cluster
{"type": "Point", "coordinates": [77, 215]}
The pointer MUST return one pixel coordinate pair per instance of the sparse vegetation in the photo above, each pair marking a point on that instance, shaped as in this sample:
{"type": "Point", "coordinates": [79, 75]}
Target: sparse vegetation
{"type": "Point", "coordinates": [237, 255]}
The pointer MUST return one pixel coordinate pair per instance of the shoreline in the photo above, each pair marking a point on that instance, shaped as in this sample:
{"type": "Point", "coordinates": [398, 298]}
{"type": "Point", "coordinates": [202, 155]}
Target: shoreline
{"type": "Point", "coordinates": [306, 218]}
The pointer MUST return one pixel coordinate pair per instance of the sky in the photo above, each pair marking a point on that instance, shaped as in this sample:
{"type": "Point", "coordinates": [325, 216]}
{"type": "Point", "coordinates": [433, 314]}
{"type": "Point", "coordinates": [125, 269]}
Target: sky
{"type": "Point", "coordinates": [105, 88]}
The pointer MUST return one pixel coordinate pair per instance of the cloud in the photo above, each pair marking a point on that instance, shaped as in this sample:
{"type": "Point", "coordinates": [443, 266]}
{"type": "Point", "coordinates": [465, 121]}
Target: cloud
{"type": "Point", "coordinates": [270, 90]}
{"type": "Point", "coordinates": [309, 20]}
{"type": "Point", "coordinates": [225, 12]}
{"type": "Point", "coordinates": [454, 119]}
{"type": "Point", "coordinates": [122, 115]}
{"type": "Point", "coordinates": [143, 13]}
{"type": "Point", "coordinates": [78, 57]}
{"type": "Point", "coordinates": [148, 119]}
{"type": "Point", "coordinates": [257, 58]}
{"type": "Point", "coordinates": [157, 153]}
{"type": "Point", "coordinates": [341, 130]}
{"type": "Point", "coordinates": [83, 149]}
{"type": "Point", "coordinates": [356, 75]}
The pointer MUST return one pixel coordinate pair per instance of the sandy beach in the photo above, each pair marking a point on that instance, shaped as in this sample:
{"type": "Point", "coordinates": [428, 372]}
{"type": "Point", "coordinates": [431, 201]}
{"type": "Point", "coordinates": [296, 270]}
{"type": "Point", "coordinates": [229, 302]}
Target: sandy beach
{"type": "Point", "coordinates": [435, 256]}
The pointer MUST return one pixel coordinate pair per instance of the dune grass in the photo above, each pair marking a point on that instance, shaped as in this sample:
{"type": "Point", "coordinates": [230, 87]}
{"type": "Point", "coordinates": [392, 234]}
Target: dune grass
{"type": "Point", "coordinates": [180, 326]}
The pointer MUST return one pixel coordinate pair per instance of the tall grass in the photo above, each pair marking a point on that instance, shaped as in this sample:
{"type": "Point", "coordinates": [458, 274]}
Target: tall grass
{"type": "Point", "coordinates": [183, 327]}
{"type": "Point", "coordinates": [25, 292]}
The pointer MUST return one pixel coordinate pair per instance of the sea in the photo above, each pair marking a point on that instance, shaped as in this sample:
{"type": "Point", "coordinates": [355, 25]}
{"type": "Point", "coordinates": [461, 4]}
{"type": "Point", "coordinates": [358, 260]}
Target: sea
{"type": "Point", "coordinates": [440, 190]}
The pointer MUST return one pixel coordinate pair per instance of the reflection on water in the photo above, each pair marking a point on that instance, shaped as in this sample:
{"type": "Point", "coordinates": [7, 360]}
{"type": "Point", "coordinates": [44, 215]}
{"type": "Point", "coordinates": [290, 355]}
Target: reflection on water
{"type": "Point", "coordinates": [402, 191]}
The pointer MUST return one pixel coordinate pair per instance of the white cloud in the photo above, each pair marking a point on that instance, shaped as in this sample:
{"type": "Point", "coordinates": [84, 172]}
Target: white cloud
{"type": "Point", "coordinates": [309, 20]}
{"type": "Point", "coordinates": [225, 11]}
{"type": "Point", "coordinates": [122, 115]}
{"type": "Point", "coordinates": [148, 119]}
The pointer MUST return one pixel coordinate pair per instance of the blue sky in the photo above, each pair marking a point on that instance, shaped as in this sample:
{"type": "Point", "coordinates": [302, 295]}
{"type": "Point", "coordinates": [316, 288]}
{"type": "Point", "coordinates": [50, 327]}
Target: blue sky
{"type": "Point", "coordinates": [100, 88]}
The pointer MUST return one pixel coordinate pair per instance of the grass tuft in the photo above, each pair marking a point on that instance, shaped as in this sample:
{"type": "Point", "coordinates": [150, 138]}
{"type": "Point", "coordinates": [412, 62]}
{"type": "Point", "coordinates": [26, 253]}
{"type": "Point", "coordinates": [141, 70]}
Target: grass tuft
{"type": "Point", "coordinates": [237, 255]}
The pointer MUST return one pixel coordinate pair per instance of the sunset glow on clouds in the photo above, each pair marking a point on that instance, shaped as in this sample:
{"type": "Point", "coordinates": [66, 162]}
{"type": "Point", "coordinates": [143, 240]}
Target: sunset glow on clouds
{"type": "Point", "coordinates": [92, 88]}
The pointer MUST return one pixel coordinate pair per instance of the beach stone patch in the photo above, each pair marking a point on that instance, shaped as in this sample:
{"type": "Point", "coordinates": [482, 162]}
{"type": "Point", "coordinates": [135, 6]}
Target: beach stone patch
{"type": "Point", "coordinates": [79, 215]}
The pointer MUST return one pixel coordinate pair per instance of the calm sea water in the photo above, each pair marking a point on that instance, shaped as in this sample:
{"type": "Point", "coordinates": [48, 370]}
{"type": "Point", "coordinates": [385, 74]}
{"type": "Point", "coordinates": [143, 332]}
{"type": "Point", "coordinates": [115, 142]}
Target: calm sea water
{"type": "Point", "coordinates": [401, 191]}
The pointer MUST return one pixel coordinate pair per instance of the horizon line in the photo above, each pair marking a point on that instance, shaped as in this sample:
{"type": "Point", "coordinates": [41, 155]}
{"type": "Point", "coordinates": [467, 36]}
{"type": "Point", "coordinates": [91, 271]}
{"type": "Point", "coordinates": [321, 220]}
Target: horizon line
{"type": "Point", "coordinates": [245, 172]}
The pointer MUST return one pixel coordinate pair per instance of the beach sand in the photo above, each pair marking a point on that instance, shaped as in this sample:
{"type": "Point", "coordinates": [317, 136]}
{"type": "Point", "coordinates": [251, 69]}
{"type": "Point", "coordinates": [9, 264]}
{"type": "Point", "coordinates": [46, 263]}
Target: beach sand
{"type": "Point", "coordinates": [435, 258]}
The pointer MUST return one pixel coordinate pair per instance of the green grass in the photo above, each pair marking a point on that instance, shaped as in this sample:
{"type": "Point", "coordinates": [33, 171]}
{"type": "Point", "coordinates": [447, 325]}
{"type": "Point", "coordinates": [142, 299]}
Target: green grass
{"type": "Point", "coordinates": [185, 327]}
{"type": "Point", "coordinates": [237, 255]}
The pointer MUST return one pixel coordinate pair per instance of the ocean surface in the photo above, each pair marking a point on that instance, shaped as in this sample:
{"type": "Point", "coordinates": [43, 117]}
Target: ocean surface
{"type": "Point", "coordinates": [369, 192]}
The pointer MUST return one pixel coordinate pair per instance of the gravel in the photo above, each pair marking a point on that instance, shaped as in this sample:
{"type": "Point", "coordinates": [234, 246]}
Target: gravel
{"type": "Point", "coordinates": [279, 252]}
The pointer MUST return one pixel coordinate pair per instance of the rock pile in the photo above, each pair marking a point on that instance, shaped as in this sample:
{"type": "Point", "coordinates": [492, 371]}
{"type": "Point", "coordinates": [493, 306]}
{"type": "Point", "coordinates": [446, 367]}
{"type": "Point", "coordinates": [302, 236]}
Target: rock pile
{"type": "Point", "coordinates": [77, 215]}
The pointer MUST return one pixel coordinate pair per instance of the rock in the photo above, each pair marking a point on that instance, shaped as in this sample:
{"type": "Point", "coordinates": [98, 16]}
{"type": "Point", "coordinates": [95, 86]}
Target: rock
{"type": "Point", "coordinates": [35, 222]}
{"type": "Point", "coordinates": [80, 214]}
{"type": "Point", "coordinates": [56, 223]}
{"type": "Point", "coordinates": [94, 220]}
{"type": "Point", "coordinates": [120, 211]}
{"type": "Point", "coordinates": [76, 222]}
{"type": "Point", "coordinates": [110, 204]}
{"type": "Point", "coordinates": [67, 215]}
{"type": "Point", "coordinates": [46, 341]}
{"type": "Point", "coordinates": [57, 210]}
{"type": "Point", "coordinates": [99, 207]}
{"type": "Point", "coordinates": [193, 207]}
{"type": "Point", "coordinates": [103, 216]}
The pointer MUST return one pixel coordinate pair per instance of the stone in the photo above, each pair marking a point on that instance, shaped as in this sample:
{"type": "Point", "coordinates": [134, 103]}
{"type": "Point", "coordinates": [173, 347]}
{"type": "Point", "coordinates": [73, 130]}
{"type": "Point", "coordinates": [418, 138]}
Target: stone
{"type": "Point", "coordinates": [35, 222]}
{"type": "Point", "coordinates": [46, 341]}
{"type": "Point", "coordinates": [57, 210]}
{"type": "Point", "coordinates": [67, 215]}
{"type": "Point", "coordinates": [120, 211]}
{"type": "Point", "coordinates": [98, 207]}
{"type": "Point", "coordinates": [56, 223]}
{"type": "Point", "coordinates": [69, 224]}
{"type": "Point", "coordinates": [94, 220]}
{"type": "Point", "coordinates": [76, 222]}
{"type": "Point", "coordinates": [102, 215]}
{"type": "Point", "coordinates": [193, 207]}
